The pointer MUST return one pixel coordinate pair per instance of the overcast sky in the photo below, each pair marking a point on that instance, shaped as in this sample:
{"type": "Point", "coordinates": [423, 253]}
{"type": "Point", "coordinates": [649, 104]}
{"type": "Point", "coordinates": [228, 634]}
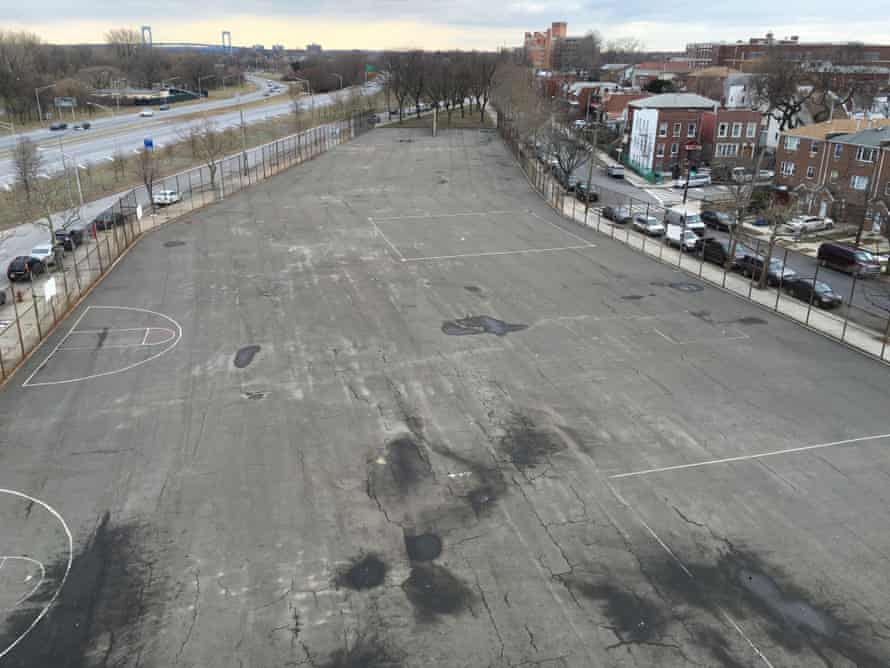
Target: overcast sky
{"type": "Point", "coordinates": [466, 24]}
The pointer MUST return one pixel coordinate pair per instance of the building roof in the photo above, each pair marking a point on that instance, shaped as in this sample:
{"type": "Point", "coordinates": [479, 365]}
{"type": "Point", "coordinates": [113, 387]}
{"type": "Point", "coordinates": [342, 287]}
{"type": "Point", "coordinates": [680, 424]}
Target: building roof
{"type": "Point", "coordinates": [874, 136]}
{"type": "Point", "coordinates": [675, 101]}
{"type": "Point", "coordinates": [615, 66]}
{"type": "Point", "coordinates": [616, 103]}
{"type": "Point", "coordinates": [676, 66]}
{"type": "Point", "coordinates": [578, 86]}
{"type": "Point", "coordinates": [716, 71]}
{"type": "Point", "coordinates": [844, 126]}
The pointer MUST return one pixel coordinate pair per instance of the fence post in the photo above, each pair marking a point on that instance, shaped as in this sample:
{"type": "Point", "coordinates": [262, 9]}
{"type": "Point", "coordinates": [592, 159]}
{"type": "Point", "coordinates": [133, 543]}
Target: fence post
{"type": "Point", "coordinates": [886, 336]}
{"type": "Point", "coordinates": [849, 305]}
{"type": "Point", "coordinates": [77, 275]}
{"type": "Point", "coordinates": [2, 366]}
{"type": "Point", "coordinates": [99, 255]}
{"type": "Point", "coordinates": [36, 313]}
{"type": "Point", "coordinates": [812, 294]}
{"type": "Point", "coordinates": [18, 322]}
{"type": "Point", "coordinates": [781, 276]}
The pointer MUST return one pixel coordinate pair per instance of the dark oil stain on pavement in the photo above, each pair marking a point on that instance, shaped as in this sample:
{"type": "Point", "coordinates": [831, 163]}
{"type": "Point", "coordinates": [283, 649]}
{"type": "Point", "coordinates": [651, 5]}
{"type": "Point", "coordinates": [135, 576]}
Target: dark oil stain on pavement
{"type": "Point", "coordinates": [365, 652]}
{"type": "Point", "coordinates": [633, 618]}
{"type": "Point", "coordinates": [682, 286]}
{"type": "Point", "coordinates": [480, 324]}
{"type": "Point", "coordinates": [483, 486]}
{"type": "Point", "coordinates": [102, 609]}
{"type": "Point", "coordinates": [434, 590]}
{"type": "Point", "coordinates": [425, 547]}
{"type": "Point", "coordinates": [365, 572]}
{"type": "Point", "coordinates": [245, 356]}
{"type": "Point", "coordinates": [103, 336]}
{"type": "Point", "coordinates": [528, 445]}
{"type": "Point", "coordinates": [750, 320]}
{"type": "Point", "coordinates": [406, 466]}
{"type": "Point", "coordinates": [173, 244]}
{"type": "Point", "coordinates": [475, 289]}
{"type": "Point", "coordinates": [741, 583]}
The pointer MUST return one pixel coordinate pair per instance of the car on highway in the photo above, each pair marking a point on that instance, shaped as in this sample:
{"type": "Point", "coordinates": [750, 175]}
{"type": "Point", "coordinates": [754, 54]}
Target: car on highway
{"type": "Point", "coordinates": [69, 238]}
{"type": "Point", "coordinates": [164, 107]}
{"type": "Point", "coordinates": [584, 194]}
{"type": "Point", "coordinates": [58, 126]}
{"type": "Point", "coordinates": [677, 237]}
{"type": "Point", "coordinates": [86, 125]}
{"type": "Point", "coordinates": [718, 220]}
{"type": "Point", "coordinates": [807, 289]}
{"type": "Point", "coordinates": [165, 197]}
{"type": "Point", "coordinates": [146, 113]}
{"type": "Point", "coordinates": [24, 267]}
{"type": "Point", "coordinates": [695, 181]}
{"type": "Point", "coordinates": [804, 224]}
{"type": "Point", "coordinates": [46, 253]}
{"type": "Point", "coordinates": [108, 219]}
{"type": "Point", "coordinates": [848, 259]}
{"type": "Point", "coordinates": [617, 214]}
{"type": "Point", "coordinates": [648, 225]}
{"type": "Point", "coordinates": [717, 251]}
{"type": "Point", "coordinates": [776, 274]}
{"type": "Point", "coordinates": [615, 171]}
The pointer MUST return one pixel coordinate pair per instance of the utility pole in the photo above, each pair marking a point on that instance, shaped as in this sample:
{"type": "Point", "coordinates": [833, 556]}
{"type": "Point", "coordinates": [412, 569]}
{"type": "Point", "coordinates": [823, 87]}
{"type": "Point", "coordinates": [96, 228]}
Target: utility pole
{"type": "Point", "coordinates": [596, 130]}
{"type": "Point", "coordinates": [76, 172]}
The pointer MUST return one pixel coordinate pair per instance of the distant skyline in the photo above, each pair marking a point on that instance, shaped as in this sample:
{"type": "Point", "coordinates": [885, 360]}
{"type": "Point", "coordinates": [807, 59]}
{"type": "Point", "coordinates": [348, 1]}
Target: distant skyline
{"type": "Point", "coordinates": [467, 24]}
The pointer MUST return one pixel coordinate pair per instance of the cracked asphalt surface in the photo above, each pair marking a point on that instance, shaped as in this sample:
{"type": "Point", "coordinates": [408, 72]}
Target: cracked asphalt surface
{"type": "Point", "coordinates": [319, 474]}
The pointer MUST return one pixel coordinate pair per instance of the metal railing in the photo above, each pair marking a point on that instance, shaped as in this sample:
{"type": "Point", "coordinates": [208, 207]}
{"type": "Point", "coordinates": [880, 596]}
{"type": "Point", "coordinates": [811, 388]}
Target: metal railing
{"type": "Point", "coordinates": [35, 307]}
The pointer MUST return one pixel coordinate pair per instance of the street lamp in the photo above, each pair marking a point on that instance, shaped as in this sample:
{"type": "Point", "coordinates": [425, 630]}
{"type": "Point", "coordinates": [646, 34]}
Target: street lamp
{"type": "Point", "coordinates": [37, 95]}
{"type": "Point", "coordinates": [334, 74]}
{"type": "Point", "coordinates": [101, 106]}
{"type": "Point", "coordinates": [76, 171]}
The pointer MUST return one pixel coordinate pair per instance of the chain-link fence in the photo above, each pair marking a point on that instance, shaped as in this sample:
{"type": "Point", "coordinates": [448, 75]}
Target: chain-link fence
{"type": "Point", "coordinates": [858, 314]}
{"type": "Point", "coordinates": [35, 305]}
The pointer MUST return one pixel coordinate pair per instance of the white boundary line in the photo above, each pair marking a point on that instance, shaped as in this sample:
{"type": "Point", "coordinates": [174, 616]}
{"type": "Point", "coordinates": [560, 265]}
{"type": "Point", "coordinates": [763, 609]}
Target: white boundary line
{"type": "Point", "coordinates": [55, 595]}
{"type": "Point", "coordinates": [448, 215]}
{"type": "Point", "coordinates": [383, 236]}
{"type": "Point", "coordinates": [716, 339]}
{"type": "Point", "coordinates": [176, 339]}
{"type": "Point", "coordinates": [743, 458]}
{"type": "Point", "coordinates": [513, 252]}
{"type": "Point", "coordinates": [24, 597]}
{"type": "Point", "coordinates": [148, 331]}
{"type": "Point", "coordinates": [571, 234]}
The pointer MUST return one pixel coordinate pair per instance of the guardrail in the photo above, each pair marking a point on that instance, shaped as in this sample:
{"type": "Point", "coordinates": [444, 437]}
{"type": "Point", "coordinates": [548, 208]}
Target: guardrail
{"type": "Point", "coordinates": [34, 308]}
{"type": "Point", "coordinates": [862, 321]}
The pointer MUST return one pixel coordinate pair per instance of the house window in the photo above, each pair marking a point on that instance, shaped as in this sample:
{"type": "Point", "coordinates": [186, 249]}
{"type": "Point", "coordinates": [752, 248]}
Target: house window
{"type": "Point", "coordinates": [678, 128]}
{"type": "Point", "coordinates": [791, 143]}
{"type": "Point", "coordinates": [787, 168]}
{"type": "Point", "coordinates": [859, 182]}
{"type": "Point", "coordinates": [751, 132]}
{"type": "Point", "coordinates": [838, 151]}
{"type": "Point", "coordinates": [659, 149]}
{"type": "Point", "coordinates": [727, 150]}
{"type": "Point", "coordinates": [663, 129]}
{"type": "Point", "coordinates": [865, 154]}
{"type": "Point", "coordinates": [811, 172]}
{"type": "Point", "coordinates": [690, 130]}
{"type": "Point", "coordinates": [723, 130]}
{"type": "Point", "coordinates": [674, 149]}
{"type": "Point", "coordinates": [835, 175]}
{"type": "Point", "coordinates": [814, 147]}
{"type": "Point", "coordinates": [887, 189]}
{"type": "Point", "coordinates": [736, 129]}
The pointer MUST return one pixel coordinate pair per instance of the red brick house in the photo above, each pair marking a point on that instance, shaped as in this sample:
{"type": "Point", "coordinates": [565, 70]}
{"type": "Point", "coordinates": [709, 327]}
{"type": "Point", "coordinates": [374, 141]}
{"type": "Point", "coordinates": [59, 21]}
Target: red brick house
{"type": "Point", "coordinates": [730, 136]}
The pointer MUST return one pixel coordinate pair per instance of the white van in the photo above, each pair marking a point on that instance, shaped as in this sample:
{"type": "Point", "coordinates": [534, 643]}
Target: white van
{"type": "Point", "coordinates": [693, 222]}
{"type": "Point", "coordinates": [679, 238]}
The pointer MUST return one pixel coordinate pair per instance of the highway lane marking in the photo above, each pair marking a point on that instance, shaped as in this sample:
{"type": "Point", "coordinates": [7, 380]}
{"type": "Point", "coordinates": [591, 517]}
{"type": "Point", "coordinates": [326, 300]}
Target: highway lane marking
{"type": "Point", "coordinates": [743, 458]}
{"type": "Point", "coordinates": [52, 511]}
{"type": "Point", "coordinates": [176, 339]}
{"type": "Point", "coordinates": [490, 253]}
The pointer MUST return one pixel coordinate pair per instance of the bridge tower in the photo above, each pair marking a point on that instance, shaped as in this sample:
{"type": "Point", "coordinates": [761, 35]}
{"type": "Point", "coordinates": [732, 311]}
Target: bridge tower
{"type": "Point", "coordinates": [146, 31]}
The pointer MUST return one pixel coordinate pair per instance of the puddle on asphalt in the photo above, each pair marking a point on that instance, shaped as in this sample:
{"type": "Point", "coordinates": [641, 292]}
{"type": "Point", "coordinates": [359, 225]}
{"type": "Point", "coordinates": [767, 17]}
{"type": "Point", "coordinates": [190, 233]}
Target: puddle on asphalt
{"type": "Point", "coordinates": [425, 547]}
{"type": "Point", "coordinates": [682, 286]}
{"type": "Point", "coordinates": [475, 289]}
{"type": "Point", "coordinates": [480, 324]}
{"type": "Point", "coordinates": [434, 590]}
{"type": "Point", "coordinates": [173, 244]}
{"type": "Point", "coordinates": [367, 572]}
{"type": "Point", "coordinates": [245, 356]}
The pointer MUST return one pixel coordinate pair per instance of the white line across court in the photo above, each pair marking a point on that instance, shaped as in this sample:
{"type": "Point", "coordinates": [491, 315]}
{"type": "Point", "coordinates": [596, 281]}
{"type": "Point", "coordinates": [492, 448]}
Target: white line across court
{"type": "Point", "coordinates": [423, 216]}
{"type": "Point", "coordinates": [743, 458]}
{"type": "Point", "coordinates": [389, 243]}
{"type": "Point", "coordinates": [489, 253]}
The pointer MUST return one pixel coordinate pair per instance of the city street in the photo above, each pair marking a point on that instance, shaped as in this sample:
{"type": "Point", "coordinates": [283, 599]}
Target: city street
{"type": "Point", "coordinates": [388, 408]}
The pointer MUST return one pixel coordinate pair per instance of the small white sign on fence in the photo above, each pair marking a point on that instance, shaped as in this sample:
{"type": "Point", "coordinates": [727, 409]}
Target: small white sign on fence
{"type": "Point", "coordinates": [138, 212]}
{"type": "Point", "coordinates": [49, 288]}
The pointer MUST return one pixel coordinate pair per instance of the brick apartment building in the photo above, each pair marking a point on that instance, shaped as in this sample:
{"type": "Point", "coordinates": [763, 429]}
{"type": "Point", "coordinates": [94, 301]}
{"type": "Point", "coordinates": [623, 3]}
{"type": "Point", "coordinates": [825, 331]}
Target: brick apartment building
{"type": "Point", "coordinates": [665, 131]}
{"type": "Point", "coordinates": [840, 168]}
{"type": "Point", "coordinates": [539, 46]}
{"type": "Point", "coordinates": [731, 136]}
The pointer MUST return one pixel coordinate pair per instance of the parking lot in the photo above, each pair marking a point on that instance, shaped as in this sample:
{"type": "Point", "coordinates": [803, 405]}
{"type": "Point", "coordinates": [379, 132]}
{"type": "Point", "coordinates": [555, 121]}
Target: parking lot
{"type": "Point", "coordinates": [388, 409]}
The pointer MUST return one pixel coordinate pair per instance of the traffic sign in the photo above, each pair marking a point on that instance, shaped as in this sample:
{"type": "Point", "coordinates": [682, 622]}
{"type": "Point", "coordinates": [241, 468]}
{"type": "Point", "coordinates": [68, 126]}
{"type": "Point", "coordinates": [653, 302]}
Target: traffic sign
{"type": "Point", "coordinates": [65, 102]}
{"type": "Point", "coordinates": [149, 144]}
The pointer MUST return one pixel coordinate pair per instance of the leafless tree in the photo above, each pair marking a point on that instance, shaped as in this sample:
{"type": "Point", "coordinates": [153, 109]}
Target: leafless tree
{"type": "Point", "coordinates": [415, 73]}
{"type": "Point", "coordinates": [210, 145]}
{"type": "Point", "coordinates": [27, 163]}
{"type": "Point", "coordinates": [483, 67]}
{"type": "Point", "coordinates": [397, 79]}
{"type": "Point", "coordinates": [781, 89]}
{"type": "Point", "coordinates": [570, 151]}
{"type": "Point", "coordinates": [124, 42]}
{"type": "Point", "coordinates": [118, 165]}
{"type": "Point", "coordinates": [775, 215]}
{"type": "Point", "coordinates": [148, 168]}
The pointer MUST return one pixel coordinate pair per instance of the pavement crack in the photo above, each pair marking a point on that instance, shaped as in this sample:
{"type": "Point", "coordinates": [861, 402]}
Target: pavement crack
{"type": "Point", "coordinates": [485, 605]}
{"type": "Point", "coordinates": [686, 518]}
{"type": "Point", "coordinates": [531, 638]}
{"type": "Point", "coordinates": [194, 619]}
{"type": "Point", "coordinates": [543, 524]}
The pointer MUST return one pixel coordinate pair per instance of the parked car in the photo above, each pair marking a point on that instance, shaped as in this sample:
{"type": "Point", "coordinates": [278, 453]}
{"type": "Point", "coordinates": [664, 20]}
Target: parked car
{"type": "Point", "coordinates": [776, 274]}
{"type": "Point", "coordinates": [766, 175]}
{"type": "Point", "coordinates": [567, 181]}
{"type": "Point", "coordinates": [685, 218]}
{"type": "Point", "coordinates": [649, 225]}
{"type": "Point", "coordinates": [679, 238]}
{"type": "Point", "coordinates": [165, 197]}
{"type": "Point", "coordinates": [617, 214]}
{"type": "Point", "coordinates": [164, 107]}
{"type": "Point", "coordinates": [46, 253]}
{"type": "Point", "coordinates": [716, 251]}
{"type": "Point", "coordinates": [24, 267]}
{"type": "Point", "coordinates": [58, 126]}
{"type": "Point", "coordinates": [585, 195]}
{"type": "Point", "coordinates": [821, 293]}
{"type": "Point", "coordinates": [615, 171]}
{"type": "Point", "coordinates": [695, 181]}
{"type": "Point", "coordinates": [108, 219]}
{"type": "Point", "coordinates": [718, 220]}
{"type": "Point", "coordinates": [804, 224]}
{"type": "Point", "coordinates": [741, 175]}
{"type": "Point", "coordinates": [146, 113]}
{"type": "Point", "coordinates": [69, 238]}
{"type": "Point", "coordinates": [848, 259]}
{"type": "Point", "coordinates": [580, 124]}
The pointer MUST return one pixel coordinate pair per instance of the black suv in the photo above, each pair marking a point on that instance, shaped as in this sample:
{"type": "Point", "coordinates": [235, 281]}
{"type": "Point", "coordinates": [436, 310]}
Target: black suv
{"type": "Point", "coordinates": [848, 259]}
{"type": "Point", "coordinates": [69, 238]}
{"type": "Point", "coordinates": [108, 219]}
{"type": "Point", "coordinates": [807, 289]}
{"type": "Point", "coordinates": [717, 252]}
{"type": "Point", "coordinates": [752, 265]}
{"type": "Point", "coordinates": [585, 195]}
{"type": "Point", "coordinates": [718, 220]}
{"type": "Point", "coordinates": [24, 267]}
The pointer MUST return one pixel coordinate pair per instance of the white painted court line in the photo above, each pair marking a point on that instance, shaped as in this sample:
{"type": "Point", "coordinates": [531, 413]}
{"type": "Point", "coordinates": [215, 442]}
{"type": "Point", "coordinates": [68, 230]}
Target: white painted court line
{"type": "Point", "coordinates": [423, 216]}
{"type": "Point", "coordinates": [29, 594]}
{"type": "Point", "coordinates": [389, 243]}
{"type": "Point", "coordinates": [715, 339]}
{"type": "Point", "coordinates": [52, 511]}
{"type": "Point", "coordinates": [571, 234]}
{"type": "Point", "coordinates": [486, 254]}
{"type": "Point", "coordinates": [743, 458]}
{"type": "Point", "coordinates": [176, 339]}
